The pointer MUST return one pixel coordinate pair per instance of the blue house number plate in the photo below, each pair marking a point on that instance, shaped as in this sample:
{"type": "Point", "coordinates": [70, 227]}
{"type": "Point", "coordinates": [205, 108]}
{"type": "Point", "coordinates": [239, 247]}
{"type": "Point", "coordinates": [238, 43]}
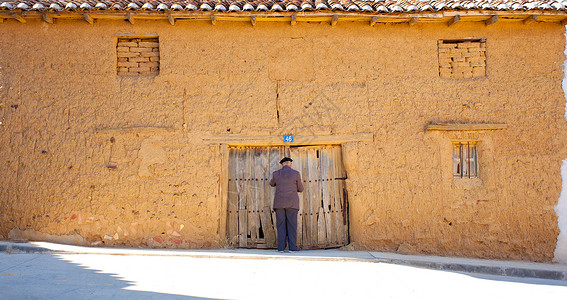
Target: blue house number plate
{"type": "Point", "coordinates": [288, 138]}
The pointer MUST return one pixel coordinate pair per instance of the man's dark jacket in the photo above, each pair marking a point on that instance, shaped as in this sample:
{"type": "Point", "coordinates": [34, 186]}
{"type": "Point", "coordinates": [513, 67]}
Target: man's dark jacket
{"type": "Point", "coordinates": [288, 183]}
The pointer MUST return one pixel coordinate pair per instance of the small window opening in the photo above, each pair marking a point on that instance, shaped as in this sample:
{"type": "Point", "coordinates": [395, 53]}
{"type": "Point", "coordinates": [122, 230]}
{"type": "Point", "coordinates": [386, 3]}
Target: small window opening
{"type": "Point", "coordinates": [465, 163]}
{"type": "Point", "coordinates": [462, 58]}
{"type": "Point", "coordinates": [137, 56]}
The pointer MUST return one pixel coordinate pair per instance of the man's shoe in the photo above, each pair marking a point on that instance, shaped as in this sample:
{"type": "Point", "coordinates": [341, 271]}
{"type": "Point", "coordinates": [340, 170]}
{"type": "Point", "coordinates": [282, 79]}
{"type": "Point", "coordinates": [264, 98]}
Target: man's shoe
{"type": "Point", "coordinates": [280, 251]}
{"type": "Point", "coordinates": [293, 251]}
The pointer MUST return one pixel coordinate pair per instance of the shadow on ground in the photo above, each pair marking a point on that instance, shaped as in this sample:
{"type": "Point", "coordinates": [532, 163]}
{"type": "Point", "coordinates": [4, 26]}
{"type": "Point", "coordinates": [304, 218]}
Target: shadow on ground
{"type": "Point", "coordinates": [46, 276]}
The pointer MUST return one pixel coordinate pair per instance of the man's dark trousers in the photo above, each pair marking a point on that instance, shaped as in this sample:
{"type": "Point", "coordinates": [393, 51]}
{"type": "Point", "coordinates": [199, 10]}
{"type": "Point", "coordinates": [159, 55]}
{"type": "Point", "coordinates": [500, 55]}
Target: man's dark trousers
{"type": "Point", "coordinates": [286, 223]}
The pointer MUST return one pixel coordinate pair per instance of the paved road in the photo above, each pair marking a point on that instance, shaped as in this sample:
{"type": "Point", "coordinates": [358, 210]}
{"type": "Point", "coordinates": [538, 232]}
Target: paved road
{"type": "Point", "coordinates": [95, 276]}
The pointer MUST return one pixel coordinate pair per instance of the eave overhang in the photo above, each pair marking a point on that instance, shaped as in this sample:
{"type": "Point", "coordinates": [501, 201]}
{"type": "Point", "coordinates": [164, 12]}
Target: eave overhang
{"type": "Point", "coordinates": [449, 18]}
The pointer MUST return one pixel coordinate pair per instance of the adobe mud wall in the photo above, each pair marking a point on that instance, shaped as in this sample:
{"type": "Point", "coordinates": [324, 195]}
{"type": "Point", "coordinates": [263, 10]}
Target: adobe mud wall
{"type": "Point", "coordinates": [120, 160]}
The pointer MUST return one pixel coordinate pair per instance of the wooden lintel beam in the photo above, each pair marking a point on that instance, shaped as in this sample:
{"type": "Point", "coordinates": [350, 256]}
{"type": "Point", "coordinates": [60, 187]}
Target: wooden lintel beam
{"type": "Point", "coordinates": [530, 19]}
{"type": "Point", "coordinates": [253, 20]}
{"type": "Point", "coordinates": [293, 20]}
{"type": "Point", "coordinates": [237, 140]}
{"type": "Point", "coordinates": [213, 20]}
{"type": "Point", "coordinates": [454, 20]}
{"type": "Point", "coordinates": [130, 18]}
{"type": "Point", "coordinates": [412, 21]}
{"type": "Point", "coordinates": [47, 18]}
{"type": "Point", "coordinates": [171, 19]}
{"type": "Point", "coordinates": [88, 18]}
{"type": "Point", "coordinates": [19, 18]}
{"type": "Point", "coordinates": [491, 20]}
{"type": "Point", "coordinates": [464, 127]}
{"type": "Point", "coordinates": [373, 21]}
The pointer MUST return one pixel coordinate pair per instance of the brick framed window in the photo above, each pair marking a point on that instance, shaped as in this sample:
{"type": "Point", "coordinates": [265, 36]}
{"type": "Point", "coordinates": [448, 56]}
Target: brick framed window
{"type": "Point", "coordinates": [462, 58]}
{"type": "Point", "coordinates": [465, 160]}
{"type": "Point", "coordinates": [137, 56]}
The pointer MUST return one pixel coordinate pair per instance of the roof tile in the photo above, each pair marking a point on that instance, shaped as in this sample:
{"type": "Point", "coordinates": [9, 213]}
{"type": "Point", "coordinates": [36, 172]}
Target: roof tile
{"type": "Point", "coordinates": [378, 6]}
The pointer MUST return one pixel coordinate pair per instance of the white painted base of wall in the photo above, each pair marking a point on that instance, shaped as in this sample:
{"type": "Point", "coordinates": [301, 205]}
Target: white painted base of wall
{"type": "Point", "coordinates": [560, 254]}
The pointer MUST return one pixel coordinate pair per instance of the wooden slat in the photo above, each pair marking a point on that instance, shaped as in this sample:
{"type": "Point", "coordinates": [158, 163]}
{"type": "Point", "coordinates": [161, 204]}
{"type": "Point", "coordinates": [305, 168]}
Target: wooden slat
{"type": "Point", "coordinates": [321, 228]}
{"type": "Point", "coordinates": [331, 187]}
{"type": "Point", "coordinates": [312, 205]}
{"type": "Point", "coordinates": [491, 20]}
{"type": "Point", "coordinates": [249, 188]}
{"type": "Point", "coordinates": [311, 220]}
{"type": "Point", "coordinates": [304, 219]}
{"type": "Point", "coordinates": [297, 161]}
{"type": "Point", "coordinates": [412, 21]}
{"type": "Point", "coordinates": [335, 20]}
{"type": "Point", "coordinates": [259, 191]}
{"type": "Point", "coordinates": [88, 19]}
{"type": "Point", "coordinates": [275, 156]}
{"type": "Point", "coordinates": [373, 21]}
{"type": "Point", "coordinates": [332, 214]}
{"type": "Point", "coordinates": [339, 196]}
{"type": "Point", "coordinates": [232, 201]}
{"type": "Point", "coordinates": [316, 204]}
{"type": "Point", "coordinates": [454, 20]}
{"type": "Point", "coordinates": [264, 205]}
{"type": "Point", "coordinates": [251, 199]}
{"type": "Point", "coordinates": [325, 175]}
{"type": "Point", "coordinates": [47, 18]}
{"type": "Point", "coordinates": [242, 228]}
{"type": "Point", "coordinates": [531, 19]}
{"type": "Point", "coordinates": [242, 214]}
{"type": "Point", "coordinates": [223, 192]}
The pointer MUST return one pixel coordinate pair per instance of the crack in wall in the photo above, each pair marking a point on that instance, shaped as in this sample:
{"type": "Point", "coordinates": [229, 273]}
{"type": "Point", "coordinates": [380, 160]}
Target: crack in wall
{"type": "Point", "coordinates": [278, 102]}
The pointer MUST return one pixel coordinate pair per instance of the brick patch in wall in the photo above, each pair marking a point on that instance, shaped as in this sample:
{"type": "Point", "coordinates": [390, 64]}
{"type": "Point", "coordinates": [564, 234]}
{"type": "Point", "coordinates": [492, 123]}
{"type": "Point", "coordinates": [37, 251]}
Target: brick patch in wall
{"type": "Point", "coordinates": [462, 58]}
{"type": "Point", "coordinates": [137, 56]}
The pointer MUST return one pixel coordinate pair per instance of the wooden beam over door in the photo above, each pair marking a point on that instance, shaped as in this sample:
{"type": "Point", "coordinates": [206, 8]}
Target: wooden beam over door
{"type": "Point", "coordinates": [453, 127]}
{"type": "Point", "coordinates": [275, 140]}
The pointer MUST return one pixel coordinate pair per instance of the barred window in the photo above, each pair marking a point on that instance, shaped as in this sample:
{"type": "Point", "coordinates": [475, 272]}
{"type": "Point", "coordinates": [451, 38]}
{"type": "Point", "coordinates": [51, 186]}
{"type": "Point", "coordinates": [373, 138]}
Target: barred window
{"type": "Point", "coordinates": [465, 160]}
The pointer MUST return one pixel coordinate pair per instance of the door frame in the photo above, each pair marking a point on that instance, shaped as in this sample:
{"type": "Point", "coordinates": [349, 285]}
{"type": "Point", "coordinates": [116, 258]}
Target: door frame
{"type": "Point", "coordinates": [224, 141]}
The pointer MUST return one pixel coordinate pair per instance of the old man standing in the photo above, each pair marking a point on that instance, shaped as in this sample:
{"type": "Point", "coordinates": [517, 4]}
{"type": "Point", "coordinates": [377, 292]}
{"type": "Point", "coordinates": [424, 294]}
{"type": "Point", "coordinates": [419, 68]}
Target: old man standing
{"type": "Point", "coordinates": [286, 203]}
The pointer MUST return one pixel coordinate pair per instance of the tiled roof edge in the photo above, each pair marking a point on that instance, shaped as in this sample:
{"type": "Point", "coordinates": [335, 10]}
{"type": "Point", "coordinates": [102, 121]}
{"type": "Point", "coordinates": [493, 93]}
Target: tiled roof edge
{"type": "Point", "coordinates": [382, 7]}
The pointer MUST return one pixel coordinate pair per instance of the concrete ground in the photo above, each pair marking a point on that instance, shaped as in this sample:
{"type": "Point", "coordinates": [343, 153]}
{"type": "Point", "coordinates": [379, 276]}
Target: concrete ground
{"type": "Point", "coordinates": [51, 271]}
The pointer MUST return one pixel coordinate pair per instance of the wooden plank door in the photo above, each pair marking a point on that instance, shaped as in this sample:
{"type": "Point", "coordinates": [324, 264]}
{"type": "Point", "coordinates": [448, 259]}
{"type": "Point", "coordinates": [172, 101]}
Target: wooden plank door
{"type": "Point", "coordinates": [323, 213]}
{"type": "Point", "coordinates": [322, 218]}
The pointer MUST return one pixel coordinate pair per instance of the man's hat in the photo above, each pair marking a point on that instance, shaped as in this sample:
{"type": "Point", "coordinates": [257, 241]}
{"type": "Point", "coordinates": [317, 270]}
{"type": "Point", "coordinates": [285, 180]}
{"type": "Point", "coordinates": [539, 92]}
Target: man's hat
{"type": "Point", "coordinates": [285, 159]}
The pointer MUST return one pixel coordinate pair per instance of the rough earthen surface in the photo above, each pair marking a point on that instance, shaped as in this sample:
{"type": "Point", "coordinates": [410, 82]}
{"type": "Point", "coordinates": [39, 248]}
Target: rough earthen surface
{"type": "Point", "coordinates": [120, 160]}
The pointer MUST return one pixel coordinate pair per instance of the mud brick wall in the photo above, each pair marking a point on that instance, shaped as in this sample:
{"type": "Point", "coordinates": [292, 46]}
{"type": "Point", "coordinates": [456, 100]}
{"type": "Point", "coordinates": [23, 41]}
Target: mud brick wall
{"type": "Point", "coordinates": [123, 162]}
{"type": "Point", "coordinates": [462, 58]}
{"type": "Point", "coordinates": [137, 56]}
